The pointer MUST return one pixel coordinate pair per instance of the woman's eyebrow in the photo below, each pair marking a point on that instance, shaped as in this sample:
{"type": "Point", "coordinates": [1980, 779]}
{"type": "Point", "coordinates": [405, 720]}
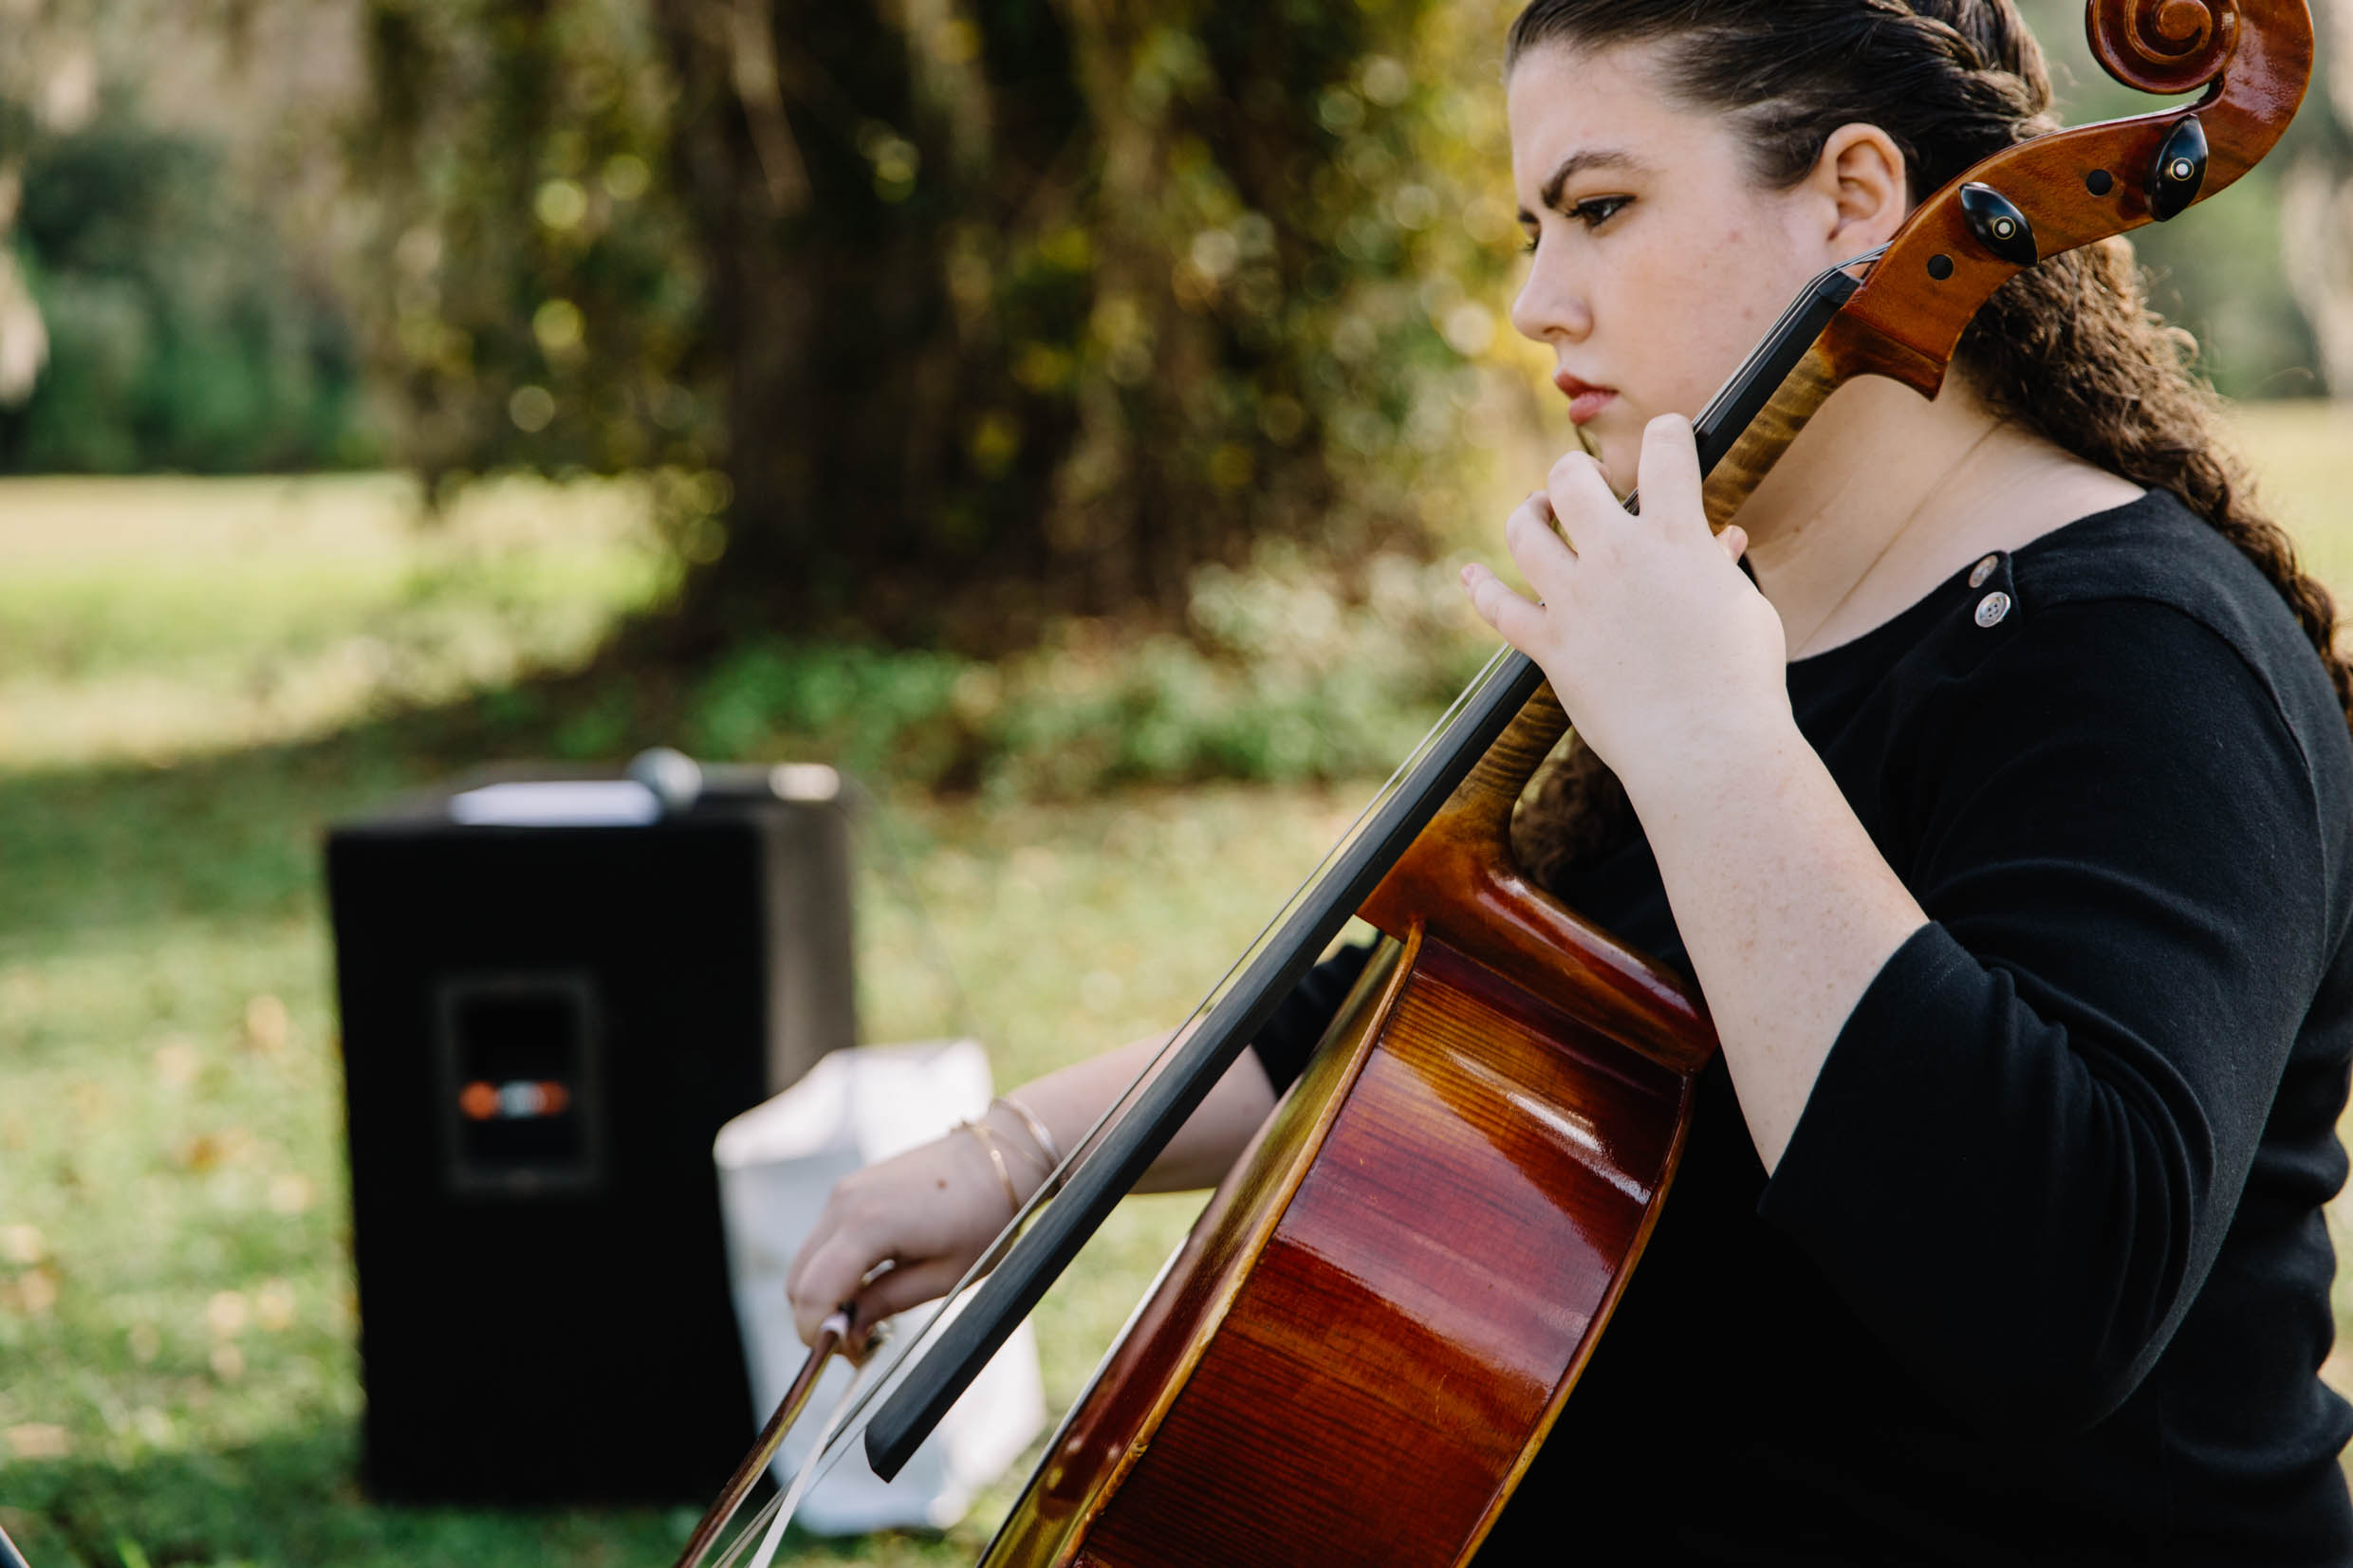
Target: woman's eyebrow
{"type": "Point", "coordinates": [1578, 163]}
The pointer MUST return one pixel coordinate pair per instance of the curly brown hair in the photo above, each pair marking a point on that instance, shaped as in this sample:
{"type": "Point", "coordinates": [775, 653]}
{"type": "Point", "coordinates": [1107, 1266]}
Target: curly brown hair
{"type": "Point", "coordinates": [2069, 349]}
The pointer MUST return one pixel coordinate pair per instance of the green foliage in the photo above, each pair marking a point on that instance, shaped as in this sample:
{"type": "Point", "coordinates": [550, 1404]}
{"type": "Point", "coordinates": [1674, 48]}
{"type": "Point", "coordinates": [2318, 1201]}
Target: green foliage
{"type": "Point", "coordinates": [1285, 674]}
{"type": "Point", "coordinates": [176, 342]}
{"type": "Point", "coordinates": [530, 292]}
{"type": "Point", "coordinates": [991, 313]}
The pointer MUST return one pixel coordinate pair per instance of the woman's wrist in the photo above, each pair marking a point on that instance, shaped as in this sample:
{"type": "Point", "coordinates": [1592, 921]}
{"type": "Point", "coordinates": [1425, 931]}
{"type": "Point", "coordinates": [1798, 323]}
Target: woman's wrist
{"type": "Point", "coordinates": [1001, 1167]}
{"type": "Point", "coordinates": [1705, 763]}
{"type": "Point", "coordinates": [1019, 1144]}
{"type": "Point", "coordinates": [1041, 1137]}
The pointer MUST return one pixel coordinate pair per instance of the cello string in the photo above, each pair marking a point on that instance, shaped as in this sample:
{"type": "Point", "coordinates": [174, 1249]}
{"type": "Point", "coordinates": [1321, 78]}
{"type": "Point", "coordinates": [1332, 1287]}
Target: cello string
{"type": "Point", "coordinates": [788, 1504]}
{"type": "Point", "coordinates": [750, 1532]}
{"type": "Point", "coordinates": [1005, 1240]}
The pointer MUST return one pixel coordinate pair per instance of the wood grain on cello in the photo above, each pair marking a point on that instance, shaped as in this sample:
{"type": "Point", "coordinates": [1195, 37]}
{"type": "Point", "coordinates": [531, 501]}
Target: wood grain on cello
{"type": "Point", "coordinates": [1374, 1324]}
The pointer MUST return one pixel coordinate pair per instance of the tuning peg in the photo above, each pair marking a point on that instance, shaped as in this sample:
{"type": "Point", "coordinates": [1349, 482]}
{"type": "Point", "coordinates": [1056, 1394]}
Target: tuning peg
{"type": "Point", "coordinates": [2179, 171]}
{"type": "Point", "coordinates": [1998, 224]}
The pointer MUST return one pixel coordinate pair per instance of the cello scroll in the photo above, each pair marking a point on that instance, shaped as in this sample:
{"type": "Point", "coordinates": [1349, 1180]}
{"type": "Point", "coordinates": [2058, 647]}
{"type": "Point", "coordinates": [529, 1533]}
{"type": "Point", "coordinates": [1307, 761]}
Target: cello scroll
{"type": "Point", "coordinates": [2164, 46]}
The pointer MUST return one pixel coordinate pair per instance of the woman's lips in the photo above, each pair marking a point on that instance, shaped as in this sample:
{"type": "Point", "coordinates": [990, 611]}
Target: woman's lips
{"type": "Point", "coordinates": [1585, 399]}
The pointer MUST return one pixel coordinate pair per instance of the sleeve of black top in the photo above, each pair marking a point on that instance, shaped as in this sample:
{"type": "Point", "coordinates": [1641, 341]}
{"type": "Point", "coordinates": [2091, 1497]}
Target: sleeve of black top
{"type": "Point", "coordinates": [2027, 1144]}
{"type": "Point", "coordinates": [1291, 1035]}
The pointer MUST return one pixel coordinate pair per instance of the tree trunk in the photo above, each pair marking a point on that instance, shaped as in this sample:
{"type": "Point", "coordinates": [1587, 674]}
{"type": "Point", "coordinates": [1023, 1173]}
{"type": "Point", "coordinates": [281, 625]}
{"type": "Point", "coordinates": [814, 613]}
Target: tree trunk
{"type": "Point", "coordinates": [1019, 312]}
{"type": "Point", "coordinates": [885, 466]}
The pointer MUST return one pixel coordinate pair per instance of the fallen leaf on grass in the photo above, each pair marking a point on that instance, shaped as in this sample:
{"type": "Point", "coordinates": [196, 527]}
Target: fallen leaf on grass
{"type": "Point", "coordinates": [178, 1062]}
{"type": "Point", "coordinates": [273, 1307]}
{"type": "Point", "coordinates": [37, 1292]}
{"type": "Point", "coordinates": [38, 1440]}
{"type": "Point", "coordinates": [23, 1243]}
{"type": "Point", "coordinates": [290, 1194]}
{"type": "Point", "coordinates": [266, 1023]}
{"type": "Point", "coordinates": [225, 1313]}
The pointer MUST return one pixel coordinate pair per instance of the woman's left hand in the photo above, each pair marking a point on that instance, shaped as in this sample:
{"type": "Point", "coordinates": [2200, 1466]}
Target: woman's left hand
{"type": "Point", "coordinates": [1658, 646]}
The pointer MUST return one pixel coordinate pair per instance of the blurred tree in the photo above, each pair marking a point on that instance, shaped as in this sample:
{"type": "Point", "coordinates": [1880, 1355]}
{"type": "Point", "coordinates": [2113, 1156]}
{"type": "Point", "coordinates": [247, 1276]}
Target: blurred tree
{"type": "Point", "coordinates": [533, 290]}
{"type": "Point", "coordinates": [987, 310]}
{"type": "Point", "coordinates": [2316, 202]}
{"type": "Point", "coordinates": [148, 318]}
{"type": "Point", "coordinates": [171, 341]}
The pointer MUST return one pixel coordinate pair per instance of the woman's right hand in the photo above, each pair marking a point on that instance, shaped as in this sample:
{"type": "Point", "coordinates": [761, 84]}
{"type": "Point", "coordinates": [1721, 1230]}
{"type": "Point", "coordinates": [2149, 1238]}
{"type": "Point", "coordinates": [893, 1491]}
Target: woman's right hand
{"type": "Point", "coordinates": [928, 1213]}
{"type": "Point", "coordinates": [932, 1210]}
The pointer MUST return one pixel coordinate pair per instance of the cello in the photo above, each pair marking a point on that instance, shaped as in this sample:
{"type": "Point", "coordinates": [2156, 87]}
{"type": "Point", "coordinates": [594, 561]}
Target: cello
{"type": "Point", "coordinates": [1416, 1257]}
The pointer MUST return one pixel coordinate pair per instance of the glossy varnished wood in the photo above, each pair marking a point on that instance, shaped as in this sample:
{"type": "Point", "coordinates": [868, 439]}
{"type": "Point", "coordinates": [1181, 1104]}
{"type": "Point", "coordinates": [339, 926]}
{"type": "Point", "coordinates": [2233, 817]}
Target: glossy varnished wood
{"type": "Point", "coordinates": [1113, 1421]}
{"type": "Point", "coordinates": [1739, 471]}
{"type": "Point", "coordinates": [1435, 1233]}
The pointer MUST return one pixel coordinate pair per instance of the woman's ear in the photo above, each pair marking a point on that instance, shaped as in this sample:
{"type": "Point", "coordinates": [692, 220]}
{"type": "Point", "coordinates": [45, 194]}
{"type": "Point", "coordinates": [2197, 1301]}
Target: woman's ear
{"type": "Point", "coordinates": [1861, 180]}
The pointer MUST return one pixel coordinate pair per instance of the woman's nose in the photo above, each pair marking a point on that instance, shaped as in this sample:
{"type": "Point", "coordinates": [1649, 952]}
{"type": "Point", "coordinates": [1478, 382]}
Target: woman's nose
{"type": "Point", "coordinates": [1549, 306]}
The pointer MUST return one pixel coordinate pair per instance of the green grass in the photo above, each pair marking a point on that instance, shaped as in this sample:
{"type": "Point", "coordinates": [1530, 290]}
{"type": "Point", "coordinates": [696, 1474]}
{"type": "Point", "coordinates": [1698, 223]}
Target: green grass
{"type": "Point", "coordinates": [180, 713]}
{"type": "Point", "coordinates": [169, 1127]}
{"type": "Point", "coordinates": [176, 1309]}
{"type": "Point", "coordinates": [154, 619]}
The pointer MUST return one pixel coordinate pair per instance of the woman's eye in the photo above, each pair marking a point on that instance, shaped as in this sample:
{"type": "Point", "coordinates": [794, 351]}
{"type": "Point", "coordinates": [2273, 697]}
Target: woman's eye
{"type": "Point", "coordinates": [1527, 242]}
{"type": "Point", "coordinates": [1597, 210]}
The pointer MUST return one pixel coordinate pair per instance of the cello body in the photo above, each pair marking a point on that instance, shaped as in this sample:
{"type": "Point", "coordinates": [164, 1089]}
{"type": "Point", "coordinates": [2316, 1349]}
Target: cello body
{"type": "Point", "coordinates": [1357, 1351]}
{"type": "Point", "coordinates": [1374, 1323]}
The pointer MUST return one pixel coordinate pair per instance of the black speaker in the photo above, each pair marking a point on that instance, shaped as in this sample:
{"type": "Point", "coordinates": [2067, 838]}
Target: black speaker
{"type": "Point", "coordinates": [550, 1005]}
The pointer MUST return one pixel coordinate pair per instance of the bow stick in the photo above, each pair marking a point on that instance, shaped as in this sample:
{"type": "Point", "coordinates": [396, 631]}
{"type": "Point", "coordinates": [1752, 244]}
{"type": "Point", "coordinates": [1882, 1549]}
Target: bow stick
{"type": "Point", "coordinates": [832, 1336]}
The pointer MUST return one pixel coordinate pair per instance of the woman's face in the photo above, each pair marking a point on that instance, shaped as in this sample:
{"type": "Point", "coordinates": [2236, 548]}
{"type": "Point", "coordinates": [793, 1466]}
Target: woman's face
{"type": "Point", "coordinates": [1660, 259]}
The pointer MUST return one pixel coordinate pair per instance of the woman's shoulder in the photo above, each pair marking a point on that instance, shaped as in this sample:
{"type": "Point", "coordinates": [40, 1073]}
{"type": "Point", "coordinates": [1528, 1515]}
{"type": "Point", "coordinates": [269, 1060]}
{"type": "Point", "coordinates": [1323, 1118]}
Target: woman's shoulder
{"type": "Point", "coordinates": [2155, 549]}
{"type": "Point", "coordinates": [2140, 644]}
{"type": "Point", "coordinates": [2114, 577]}
{"type": "Point", "coordinates": [2130, 673]}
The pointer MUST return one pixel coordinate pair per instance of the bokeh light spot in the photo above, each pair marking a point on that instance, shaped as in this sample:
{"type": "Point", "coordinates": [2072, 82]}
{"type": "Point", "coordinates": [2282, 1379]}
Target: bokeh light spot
{"type": "Point", "coordinates": [532, 408]}
{"type": "Point", "coordinates": [625, 176]}
{"type": "Point", "coordinates": [559, 326]}
{"type": "Point", "coordinates": [561, 204]}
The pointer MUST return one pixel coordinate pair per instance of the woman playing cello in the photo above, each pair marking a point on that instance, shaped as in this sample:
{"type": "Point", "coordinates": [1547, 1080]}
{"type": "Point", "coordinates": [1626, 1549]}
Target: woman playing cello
{"type": "Point", "coordinates": [1991, 782]}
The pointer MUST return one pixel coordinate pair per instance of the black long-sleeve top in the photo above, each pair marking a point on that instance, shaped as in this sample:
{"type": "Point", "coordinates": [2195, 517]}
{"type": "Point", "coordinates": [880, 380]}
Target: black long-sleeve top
{"type": "Point", "coordinates": [2042, 1275]}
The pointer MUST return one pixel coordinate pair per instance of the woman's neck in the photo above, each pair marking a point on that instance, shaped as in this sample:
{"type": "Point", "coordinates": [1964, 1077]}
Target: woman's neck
{"type": "Point", "coordinates": [1885, 494]}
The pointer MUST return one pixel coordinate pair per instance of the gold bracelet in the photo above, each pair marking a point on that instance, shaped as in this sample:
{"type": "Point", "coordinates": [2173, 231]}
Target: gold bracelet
{"type": "Point", "coordinates": [1038, 1135]}
{"type": "Point", "coordinates": [996, 1158]}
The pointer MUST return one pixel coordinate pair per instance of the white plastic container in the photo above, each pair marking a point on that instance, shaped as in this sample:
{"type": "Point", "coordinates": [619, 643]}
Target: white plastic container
{"type": "Point", "coordinates": [777, 1162]}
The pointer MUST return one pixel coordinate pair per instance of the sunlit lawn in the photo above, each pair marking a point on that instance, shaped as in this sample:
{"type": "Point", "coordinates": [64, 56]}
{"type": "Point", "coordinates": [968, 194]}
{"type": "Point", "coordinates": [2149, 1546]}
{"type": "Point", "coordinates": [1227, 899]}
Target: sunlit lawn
{"type": "Point", "coordinates": [193, 680]}
{"type": "Point", "coordinates": [177, 1381]}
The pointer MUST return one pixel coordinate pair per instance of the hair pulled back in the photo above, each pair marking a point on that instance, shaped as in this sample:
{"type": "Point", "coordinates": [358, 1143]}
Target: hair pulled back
{"type": "Point", "coordinates": [2067, 349]}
